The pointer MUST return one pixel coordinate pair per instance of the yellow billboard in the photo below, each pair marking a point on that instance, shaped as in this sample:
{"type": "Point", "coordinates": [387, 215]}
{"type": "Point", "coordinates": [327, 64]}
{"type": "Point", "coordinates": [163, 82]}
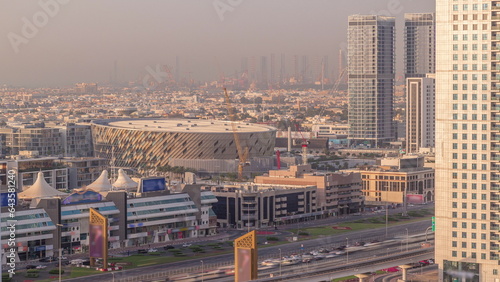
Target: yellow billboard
{"type": "Point", "coordinates": [245, 257]}
{"type": "Point", "coordinates": [98, 237]}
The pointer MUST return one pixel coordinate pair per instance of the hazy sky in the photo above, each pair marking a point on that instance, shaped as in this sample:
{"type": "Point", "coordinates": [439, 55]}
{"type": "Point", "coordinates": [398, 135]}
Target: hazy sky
{"type": "Point", "coordinates": [79, 40]}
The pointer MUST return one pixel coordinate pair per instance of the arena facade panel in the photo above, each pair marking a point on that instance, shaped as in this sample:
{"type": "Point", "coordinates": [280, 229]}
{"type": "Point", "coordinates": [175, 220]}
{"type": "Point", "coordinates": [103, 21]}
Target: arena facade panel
{"type": "Point", "coordinates": [136, 143]}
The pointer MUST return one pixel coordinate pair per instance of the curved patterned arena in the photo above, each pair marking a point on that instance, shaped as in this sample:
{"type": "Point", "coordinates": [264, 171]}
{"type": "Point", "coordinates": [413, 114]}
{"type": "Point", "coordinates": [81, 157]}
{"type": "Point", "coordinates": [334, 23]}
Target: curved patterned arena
{"type": "Point", "coordinates": [200, 144]}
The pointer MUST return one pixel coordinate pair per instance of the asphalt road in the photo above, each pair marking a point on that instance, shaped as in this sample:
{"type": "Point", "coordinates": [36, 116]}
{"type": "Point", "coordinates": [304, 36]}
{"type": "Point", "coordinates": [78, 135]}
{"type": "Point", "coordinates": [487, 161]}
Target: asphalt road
{"type": "Point", "coordinates": [273, 252]}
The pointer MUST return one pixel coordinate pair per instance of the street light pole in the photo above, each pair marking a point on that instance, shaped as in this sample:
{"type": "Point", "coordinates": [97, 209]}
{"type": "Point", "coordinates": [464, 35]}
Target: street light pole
{"type": "Point", "coordinates": [407, 239]}
{"type": "Point", "coordinates": [201, 270]}
{"type": "Point", "coordinates": [347, 250]}
{"type": "Point", "coordinates": [59, 229]}
{"type": "Point", "coordinates": [113, 276]}
{"type": "Point", "coordinates": [386, 220]}
{"type": "Point", "coordinates": [280, 260]}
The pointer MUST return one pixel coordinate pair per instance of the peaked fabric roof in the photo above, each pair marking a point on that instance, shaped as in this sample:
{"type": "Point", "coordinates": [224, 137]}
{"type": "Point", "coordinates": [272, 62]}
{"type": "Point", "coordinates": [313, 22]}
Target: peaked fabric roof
{"type": "Point", "coordinates": [123, 181]}
{"type": "Point", "coordinates": [101, 184]}
{"type": "Point", "coordinates": [40, 189]}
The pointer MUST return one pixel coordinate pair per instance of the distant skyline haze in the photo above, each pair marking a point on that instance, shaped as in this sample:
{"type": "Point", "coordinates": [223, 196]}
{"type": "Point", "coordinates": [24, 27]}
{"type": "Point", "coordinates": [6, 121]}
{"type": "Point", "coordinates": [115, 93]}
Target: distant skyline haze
{"type": "Point", "coordinates": [51, 43]}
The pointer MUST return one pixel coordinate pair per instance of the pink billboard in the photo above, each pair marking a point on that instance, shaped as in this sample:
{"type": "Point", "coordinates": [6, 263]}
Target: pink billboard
{"type": "Point", "coordinates": [415, 199]}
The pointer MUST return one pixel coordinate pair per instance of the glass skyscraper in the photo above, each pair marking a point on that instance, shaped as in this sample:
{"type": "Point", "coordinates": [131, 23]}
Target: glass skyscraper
{"type": "Point", "coordinates": [371, 79]}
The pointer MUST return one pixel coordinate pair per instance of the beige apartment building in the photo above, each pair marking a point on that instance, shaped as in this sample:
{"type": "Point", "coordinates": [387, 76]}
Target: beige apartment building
{"type": "Point", "coordinates": [468, 140]}
{"type": "Point", "coordinates": [336, 194]}
{"type": "Point", "coordinates": [397, 181]}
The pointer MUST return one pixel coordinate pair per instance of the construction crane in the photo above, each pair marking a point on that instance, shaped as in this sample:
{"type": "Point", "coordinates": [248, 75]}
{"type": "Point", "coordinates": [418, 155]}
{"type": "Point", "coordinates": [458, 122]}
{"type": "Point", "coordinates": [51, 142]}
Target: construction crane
{"type": "Point", "coordinates": [242, 153]}
{"type": "Point", "coordinates": [336, 85]}
{"type": "Point", "coordinates": [305, 144]}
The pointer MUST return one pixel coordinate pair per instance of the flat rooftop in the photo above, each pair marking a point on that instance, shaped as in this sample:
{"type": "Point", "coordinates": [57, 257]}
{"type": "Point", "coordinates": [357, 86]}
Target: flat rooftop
{"type": "Point", "coordinates": [188, 125]}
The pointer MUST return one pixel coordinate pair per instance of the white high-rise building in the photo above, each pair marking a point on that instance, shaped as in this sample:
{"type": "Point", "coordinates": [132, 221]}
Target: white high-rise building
{"type": "Point", "coordinates": [371, 79]}
{"type": "Point", "coordinates": [420, 66]}
{"type": "Point", "coordinates": [420, 113]}
{"type": "Point", "coordinates": [468, 140]}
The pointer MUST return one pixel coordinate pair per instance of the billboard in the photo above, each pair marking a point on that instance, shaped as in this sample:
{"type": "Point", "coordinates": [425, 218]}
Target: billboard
{"type": "Point", "coordinates": [415, 199]}
{"type": "Point", "coordinates": [96, 241]}
{"type": "Point", "coordinates": [98, 237]}
{"type": "Point", "coordinates": [245, 257]}
{"type": "Point", "coordinates": [153, 184]}
{"type": "Point", "coordinates": [5, 199]}
{"type": "Point", "coordinates": [82, 197]}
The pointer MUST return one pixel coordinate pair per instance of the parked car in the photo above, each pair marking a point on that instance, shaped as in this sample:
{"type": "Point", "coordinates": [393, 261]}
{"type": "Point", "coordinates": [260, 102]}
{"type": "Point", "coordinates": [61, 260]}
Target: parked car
{"type": "Point", "coordinates": [142, 251]}
{"type": "Point", "coordinates": [30, 266]}
{"type": "Point", "coordinates": [168, 247]}
{"type": "Point", "coordinates": [186, 245]}
{"type": "Point", "coordinates": [152, 250]}
{"type": "Point", "coordinates": [41, 266]}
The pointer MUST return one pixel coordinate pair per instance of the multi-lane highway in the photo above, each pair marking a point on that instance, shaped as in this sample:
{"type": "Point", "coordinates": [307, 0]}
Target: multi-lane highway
{"type": "Point", "coordinates": [268, 252]}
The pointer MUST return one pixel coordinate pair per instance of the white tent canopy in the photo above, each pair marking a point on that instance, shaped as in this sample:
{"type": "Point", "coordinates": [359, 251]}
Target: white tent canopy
{"type": "Point", "coordinates": [101, 184]}
{"type": "Point", "coordinates": [40, 189]}
{"type": "Point", "coordinates": [123, 181]}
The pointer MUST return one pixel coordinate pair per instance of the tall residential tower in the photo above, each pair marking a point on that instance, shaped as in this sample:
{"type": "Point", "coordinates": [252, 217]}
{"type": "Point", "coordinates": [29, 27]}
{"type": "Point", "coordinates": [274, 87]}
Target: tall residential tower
{"type": "Point", "coordinates": [371, 79]}
{"type": "Point", "coordinates": [468, 140]}
{"type": "Point", "coordinates": [420, 66]}
{"type": "Point", "coordinates": [420, 44]}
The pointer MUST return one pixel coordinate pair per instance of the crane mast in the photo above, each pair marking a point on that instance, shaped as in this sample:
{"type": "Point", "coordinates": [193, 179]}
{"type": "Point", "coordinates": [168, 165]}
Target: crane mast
{"type": "Point", "coordinates": [242, 153]}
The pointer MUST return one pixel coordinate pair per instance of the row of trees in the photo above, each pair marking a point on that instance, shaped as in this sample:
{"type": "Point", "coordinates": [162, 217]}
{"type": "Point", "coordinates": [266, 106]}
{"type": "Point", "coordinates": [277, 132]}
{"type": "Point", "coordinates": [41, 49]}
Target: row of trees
{"type": "Point", "coordinates": [175, 169]}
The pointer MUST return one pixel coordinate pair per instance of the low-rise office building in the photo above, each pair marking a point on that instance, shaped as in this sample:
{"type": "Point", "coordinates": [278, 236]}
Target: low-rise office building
{"type": "Point", "coordinates": [26, 171]}
{"type": "Point", "coordinates": [261, 205]}
{"type": "Point", "coordinates": [337, 193]}
{"type": "Point", "coordinates": [397, 180]}
{"type": "Point", "coordinates": [83, 171]}
{"type": "Point", "coordinates": [70, 140]}
{"type": "Point", "coordinates": [134, 219]}
{"type": "Point", "coordinates": [34, 234]}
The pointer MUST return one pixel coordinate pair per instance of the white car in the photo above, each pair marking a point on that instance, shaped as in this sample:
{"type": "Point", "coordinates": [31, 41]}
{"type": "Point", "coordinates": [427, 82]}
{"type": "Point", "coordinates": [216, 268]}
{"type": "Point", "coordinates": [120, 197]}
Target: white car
{"type": "Point", "coordinates": [186, 245]}
{"type": "Point", "coordinates": [76, 261]}
{"type": "Point", "coordinates": [41, 266]}
{"type": "Point", "coordinates": [152, 251]}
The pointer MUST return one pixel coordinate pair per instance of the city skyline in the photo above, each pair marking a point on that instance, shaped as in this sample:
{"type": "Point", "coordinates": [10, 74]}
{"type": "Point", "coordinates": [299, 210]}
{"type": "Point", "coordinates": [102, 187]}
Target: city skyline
{"type": "Point", "coordinates": [82, 44]}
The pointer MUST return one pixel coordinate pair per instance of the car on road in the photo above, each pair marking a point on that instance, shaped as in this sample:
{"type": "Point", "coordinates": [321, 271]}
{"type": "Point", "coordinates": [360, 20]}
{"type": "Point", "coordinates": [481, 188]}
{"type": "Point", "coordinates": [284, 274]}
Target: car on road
{"type": "Point", "coordinates": [168, 247]}
{"type": "Point", "coordinates": [41, 266]}
{"type": "Point", "coordinates": [186, 245]}
{"type": "Point", "coordinates": [30, 266]}
{"type": "Point", "coordinates": [391, 269]}
{"type": "Point", "coordinates": [152, 250]}
{"type": "Point", "coordinates": [76, 261]}
{"type": "Point", "coordinates": [46, 259]}
{"type": "Point", "coordinates": [63, 258]}
{"type": "Point", "coordinates": [306, 260]}
{"type": "Point", "coordinates": [424, 262]}
{"type": "Point", "coordinates": [142, 251]}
